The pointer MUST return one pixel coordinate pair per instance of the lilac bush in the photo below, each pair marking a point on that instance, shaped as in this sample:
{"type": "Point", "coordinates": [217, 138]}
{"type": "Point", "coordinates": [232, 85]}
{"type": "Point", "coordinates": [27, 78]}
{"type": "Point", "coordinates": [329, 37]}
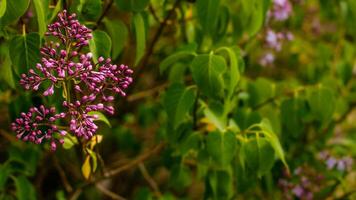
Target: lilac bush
{"type": "Point", "coordinates": [86, 86]}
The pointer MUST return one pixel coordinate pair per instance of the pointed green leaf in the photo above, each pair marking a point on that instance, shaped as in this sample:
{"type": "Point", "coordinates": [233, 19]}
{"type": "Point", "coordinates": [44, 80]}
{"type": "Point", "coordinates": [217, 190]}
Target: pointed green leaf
{"type": "Point", "coordinates": [41, 17]}
{"type": "Point", "coordinates": [207, 72]}
{"type": "Point", "coordinates": [140, 35]}
{"type": "Point", "coordinates": [24, 189]}
{"type": "Point", "coordinates": [178, 101]}
{"type": "Point", "coordinates": [221, 147]}
{"type": "Point", "coordinates": [100, 117]}
{"type": "Point", "coordinates": [100, 45]}
{"type": "Point", "coordinates": [24, 52]}
{"type": "Point", "coordinates": [175, 57]}
{"type": "Point", "coordinates": [2, 7]}
{"type": "Point", "coordinates": [118, 33]}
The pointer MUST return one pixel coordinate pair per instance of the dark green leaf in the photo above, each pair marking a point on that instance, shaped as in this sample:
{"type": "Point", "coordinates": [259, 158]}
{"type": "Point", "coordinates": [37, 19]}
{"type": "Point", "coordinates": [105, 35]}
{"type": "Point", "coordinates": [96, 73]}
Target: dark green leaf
{"type": "Point", "coordinates": [118, 33]}
{"type": "Point", "coordinates": [24, 52]}
{"type": "Point", "coordinates": [175, 57]}
{"type": "Point", "coordinates": [132, 5]}
{"type": "Point", "coordinates": [178, 101]}
{"type": "Point", "coordinates": [24, 189]}
{"type": "Point", "coordinates": [322, 103]}
{"type": "Point", "coordinates": [100, 45]}
{"type": "Point", "coordinates": [207, 72]}
{"type": "Point", "coordinates": [41, 17]}
{"type": "Point", "coordinates": [221, 147]}
{"type": "Point", "coordinates": [14, 10]}
{"type": "Point", "coordinates": [208, 11]}
{"type": "Point", "coordinates": [140, 35]}
{"type": "Point", "coordinates": [221, 184]}
{"type": "Point", "coordinates": [259, 155]}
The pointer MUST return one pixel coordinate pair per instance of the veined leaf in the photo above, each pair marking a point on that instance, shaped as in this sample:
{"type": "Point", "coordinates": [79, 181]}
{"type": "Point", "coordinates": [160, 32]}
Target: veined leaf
{"type": "Point", "coordinates": [222, 147]}
{"type": "Point", "coordinates": [140, 35]}
{"type": "Point", "coordinates": [208, 11]}
{"type": "Point", "coordinates": [100, 45]}
{"type": "Point", "coordinates": [100, 117]}
{"type": "Point", "coordinates": [24, 52]}
{"type": "Point", "coordinates": [24, 189]}
{"type": "Point", "coordinates": [41, 17]}
{"type": "Point", "coordinates": [118, 33]}
{"type": "Point", "coordinates": [14, 10]}
{"type": "Point", "coordinates": [2, 7]}
{"type": "Point", "coordinates": [175, 57]}
{"type": "Point", "coordinates": [207, 72]}
{"type": "Point", "coordinates": [178, 101]}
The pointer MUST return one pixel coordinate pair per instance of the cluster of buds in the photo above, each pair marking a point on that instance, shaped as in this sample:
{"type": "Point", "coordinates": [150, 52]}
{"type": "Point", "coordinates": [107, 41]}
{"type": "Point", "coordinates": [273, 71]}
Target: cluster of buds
{"type": "Point", "coordinates": [87, 86]}
{"type": "Point", "coordinates": [280, 10]}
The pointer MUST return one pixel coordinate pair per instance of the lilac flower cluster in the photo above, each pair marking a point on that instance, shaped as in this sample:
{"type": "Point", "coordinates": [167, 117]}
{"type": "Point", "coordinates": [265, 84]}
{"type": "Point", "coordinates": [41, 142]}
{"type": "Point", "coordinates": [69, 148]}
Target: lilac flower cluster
{"type": "Point", "coordinates": [38, 124]}
{"type": "Point", "coordinates": [307, 184]}
{"type": "Point", "coordinates": [342, 164]}
{"type": "Point", "coordinates": [280, 11]}
{"type": "Point", "coordinates": [86, 86]}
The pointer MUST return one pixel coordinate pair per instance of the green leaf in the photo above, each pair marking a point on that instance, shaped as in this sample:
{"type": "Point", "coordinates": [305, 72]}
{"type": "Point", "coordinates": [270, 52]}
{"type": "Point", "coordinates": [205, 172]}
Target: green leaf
{"type": "Point", "coordinates": [140, 35]}
{"type": "Point", "coordinates": [100, 117]}
{"type": "Point", "coordinates": [221, 147]}
{"type": "Point", "coordinates": [14, 10]}
{"type": "Point", "coordinates": [253, 14]}
{"type": "Point", "coordinates": [215, 113]}
{"type": "Point", "coordinates": [5, 171]}
{"type": "Point", "coordinates": [69, 141]}
{"type": "Point", "coordinates": [5, 66]}
{"type": "Point", "coordinates": [24, 52]}
{"type": "Point", "coordinates": [94, 159]}
{"type": "Point", "coordinates": [100, 45]}
{"type": "Point", "coordinates": [273, 139]}
{"type": "Point", "coordinates": [321, 101]}
{"type": "Point", "coordinates": [24, 189]}
{"type": "Point", "coordinates": [178, 101]}
{"type": "Point", "coordinates": [175, 57]}
{"type": "Point", "coordinates": [41, 17]}
{"type": "Point", "coordinates": [258, 155]}
{"type": "Point", "coordinates": [90, 9]}
{"type": "Point", "coordinates": [260, 91]}
{"type": "Point", "coordinates": [234, 74]}
{"type": "Point", "coordinates": [132, 5]}
{"type": "Point", "coordinates": [207, 70]}
{"type": "Point", "coordinates": [55, 11]}
{"type": "Point", "coordinates": [208, 11]}
{"type": "Point", "coordinates": [181, 176]}
{"type": "Point", "coordinates": [292, 112]}
{"type": "Point", "coordinates": [118, 33]}
{"type": "Point", "coordinates": [221, 184]}
{"type": "Point", "coordinates": [2, 7]}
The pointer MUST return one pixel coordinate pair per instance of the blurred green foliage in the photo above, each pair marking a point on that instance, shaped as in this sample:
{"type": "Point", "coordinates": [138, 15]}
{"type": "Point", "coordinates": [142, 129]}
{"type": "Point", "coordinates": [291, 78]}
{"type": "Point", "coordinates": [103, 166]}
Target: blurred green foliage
{"type": "Point", "coordinates": [203, 119]}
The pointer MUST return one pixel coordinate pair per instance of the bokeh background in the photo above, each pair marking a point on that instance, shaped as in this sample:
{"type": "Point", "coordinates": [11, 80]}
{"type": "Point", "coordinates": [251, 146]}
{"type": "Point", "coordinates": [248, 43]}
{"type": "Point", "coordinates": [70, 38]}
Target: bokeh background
{"type": "Point", "coordinates": [232, 99]}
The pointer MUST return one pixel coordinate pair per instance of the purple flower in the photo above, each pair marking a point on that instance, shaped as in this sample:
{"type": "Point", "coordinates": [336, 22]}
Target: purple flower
{"type": "Point", "coordinates": [37, 125]}
{"type": "Point", "coordinates": [331, 162]}
{"type": "Point", "coordinates": [66, 68]}
{"type": "Point", "coordinates": [298, 191]}
{"type": "Point", "coordinates": [267, 59]}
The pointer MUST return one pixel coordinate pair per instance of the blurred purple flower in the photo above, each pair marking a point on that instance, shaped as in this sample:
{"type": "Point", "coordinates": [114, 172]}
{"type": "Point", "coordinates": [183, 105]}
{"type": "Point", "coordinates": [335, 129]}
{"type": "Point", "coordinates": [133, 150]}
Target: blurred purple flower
{"type": "Point", "coordinates": [267, 59]}
{"type": "Point", "coordinates": [281, 10]}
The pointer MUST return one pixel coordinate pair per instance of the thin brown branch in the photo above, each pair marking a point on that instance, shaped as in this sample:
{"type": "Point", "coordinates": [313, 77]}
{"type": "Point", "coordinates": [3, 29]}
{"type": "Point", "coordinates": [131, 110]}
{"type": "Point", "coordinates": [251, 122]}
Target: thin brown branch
{"type": "Point", "coordinates": [134, 162]}
{"type": "Point", "coordinates": [146, 93]}
{"type": "Point", "coordinates": [108, 193]}
{"type": "Point", "coordinates": [149, 180]}
{"type": "Point", "coordinates": [62, 175]}
{"type": "Point", "coordinates": [76, 194]}
{"type": "Point", "coordinates": [153, 12]}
